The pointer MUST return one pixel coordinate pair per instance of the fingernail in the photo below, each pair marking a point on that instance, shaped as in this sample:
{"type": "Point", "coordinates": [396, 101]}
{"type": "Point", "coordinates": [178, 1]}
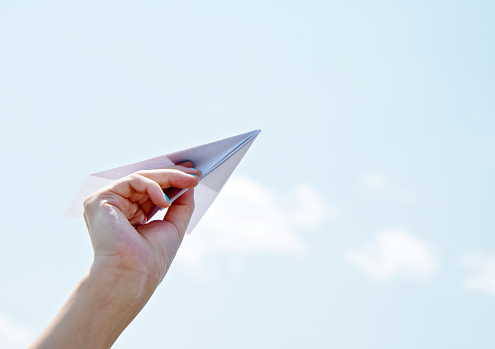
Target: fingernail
{"type": "Point", "coordinates": [166, 197]}
{"type": "Point", "coordinates": [185, 161]}
{"type": "Point", "coordinates": [192, 174]}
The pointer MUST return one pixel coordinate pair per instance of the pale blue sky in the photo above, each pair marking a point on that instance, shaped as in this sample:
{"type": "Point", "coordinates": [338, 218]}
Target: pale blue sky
{"type": "Point", "coordinates": [383, 108]}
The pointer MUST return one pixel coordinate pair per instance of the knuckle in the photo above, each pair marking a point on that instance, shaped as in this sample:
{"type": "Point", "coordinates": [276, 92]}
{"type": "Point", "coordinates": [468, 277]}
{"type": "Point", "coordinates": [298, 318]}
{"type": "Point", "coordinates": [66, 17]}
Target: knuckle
{"type": "Point", "coordinates": [87, 202]}
{"type": "Point", "coordinates": [135, 176]}
{"type": "Point", "coordinates": [140, 173]}
{"type": "Point", "coordinates": [90, 200]}
{"type": "Point", "coordinates": [137, 180]}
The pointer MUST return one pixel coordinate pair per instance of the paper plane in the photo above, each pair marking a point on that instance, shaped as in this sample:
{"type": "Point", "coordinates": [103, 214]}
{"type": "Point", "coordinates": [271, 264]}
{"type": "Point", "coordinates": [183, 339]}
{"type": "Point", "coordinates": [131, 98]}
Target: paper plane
{"type": "Point", "coordinates": [216, 160]}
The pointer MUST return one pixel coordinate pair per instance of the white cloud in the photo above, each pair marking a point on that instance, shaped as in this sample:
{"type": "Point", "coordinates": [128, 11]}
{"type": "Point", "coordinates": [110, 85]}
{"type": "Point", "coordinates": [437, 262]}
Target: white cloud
{"type": "Point", "coordinates": [482, 266]}
{"type": "Point", "coordinates": [374, 179]}
{"type": "Point", "coordinates": [12, 334]}
{"type": "Point", "coordinates": [394, 252]}
{"type": "Point", "coordinates": [381, 185]}
{"type": "Point", "coordinates": [248, 218]}
{"type": "Point", "coordinates": [312, 208]}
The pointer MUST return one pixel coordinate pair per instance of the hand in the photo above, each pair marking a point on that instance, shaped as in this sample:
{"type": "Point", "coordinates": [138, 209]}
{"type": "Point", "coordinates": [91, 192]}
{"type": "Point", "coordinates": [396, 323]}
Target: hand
{"type": "Point", "coordinates": [131, 256]}
{"type": "Point", "coordinates": [116, 217]}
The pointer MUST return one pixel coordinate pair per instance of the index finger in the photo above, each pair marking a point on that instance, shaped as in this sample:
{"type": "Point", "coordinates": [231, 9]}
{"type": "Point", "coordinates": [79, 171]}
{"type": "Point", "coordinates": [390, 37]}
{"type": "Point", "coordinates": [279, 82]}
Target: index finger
{"type": "Point", "coordinates": [168, 178]}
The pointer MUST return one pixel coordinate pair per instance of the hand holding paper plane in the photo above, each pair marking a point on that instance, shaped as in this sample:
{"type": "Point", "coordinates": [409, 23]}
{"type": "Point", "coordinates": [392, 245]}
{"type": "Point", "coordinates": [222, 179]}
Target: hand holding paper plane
{"type": "Point", "coordinates": [216, 160]}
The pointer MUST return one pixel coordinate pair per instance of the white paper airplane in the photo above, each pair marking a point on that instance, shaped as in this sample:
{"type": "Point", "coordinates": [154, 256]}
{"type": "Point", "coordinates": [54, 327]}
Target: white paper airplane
{"type": "Point", "coordinates": [216, 160]}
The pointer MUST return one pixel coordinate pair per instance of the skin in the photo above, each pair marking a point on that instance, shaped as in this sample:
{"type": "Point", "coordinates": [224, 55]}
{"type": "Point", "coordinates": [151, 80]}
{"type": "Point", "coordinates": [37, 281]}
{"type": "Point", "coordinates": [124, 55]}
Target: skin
{"type": "Point", "coordinates": [131, 256]}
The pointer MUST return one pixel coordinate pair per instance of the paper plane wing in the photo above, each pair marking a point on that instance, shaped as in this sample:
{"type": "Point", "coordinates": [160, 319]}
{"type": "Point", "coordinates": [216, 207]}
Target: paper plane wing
{"type": "Point", "coordinates": [216, 160]}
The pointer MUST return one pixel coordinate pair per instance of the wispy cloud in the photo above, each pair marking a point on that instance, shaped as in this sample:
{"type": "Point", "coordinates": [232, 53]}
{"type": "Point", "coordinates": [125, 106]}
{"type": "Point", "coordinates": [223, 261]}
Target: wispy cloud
{"type": "Point", "coordinates": [311, 208]}
{"type": "Point", "coordinates": [249, 218]}
{"type": "Point", "coordinates": [394, 252]}
{"type": "Point", "coordinates": [375, 180]}
{"type": "Point", "coordinates": [12, 334]}
{"type": "Point", "coordinates": [381, 185]}
{"type": "Point", "coordinates": [482, 268]}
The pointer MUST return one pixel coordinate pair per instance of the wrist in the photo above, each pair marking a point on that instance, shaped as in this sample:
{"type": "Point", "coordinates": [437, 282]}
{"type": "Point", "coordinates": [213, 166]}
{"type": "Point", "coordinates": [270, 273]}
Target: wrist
{"type": "Point", "coordinates": [136, 279]}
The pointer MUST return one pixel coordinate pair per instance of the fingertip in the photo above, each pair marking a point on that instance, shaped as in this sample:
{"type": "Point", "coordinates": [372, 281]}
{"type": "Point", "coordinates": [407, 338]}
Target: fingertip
{"type": "Point", "coordinates": [167, 201]}
{"type": "Point", "coordinates": [196, 177]}
{"type": "Point", "coordinates": [194, 172]}
{"type": "Point", "coordinates": [186, 163]}
{"type": "Point", "coordinates": [157, 196]}
{"type": "Point", "coordinates": [188, 178]}
{"type": "Point", "coordinates": [144, 220]}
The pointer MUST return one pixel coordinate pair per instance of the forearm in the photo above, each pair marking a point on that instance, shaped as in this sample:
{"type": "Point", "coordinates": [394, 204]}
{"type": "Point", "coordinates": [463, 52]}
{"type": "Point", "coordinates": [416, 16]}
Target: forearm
{"type": "Point", "coordinates": [104, 302]}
